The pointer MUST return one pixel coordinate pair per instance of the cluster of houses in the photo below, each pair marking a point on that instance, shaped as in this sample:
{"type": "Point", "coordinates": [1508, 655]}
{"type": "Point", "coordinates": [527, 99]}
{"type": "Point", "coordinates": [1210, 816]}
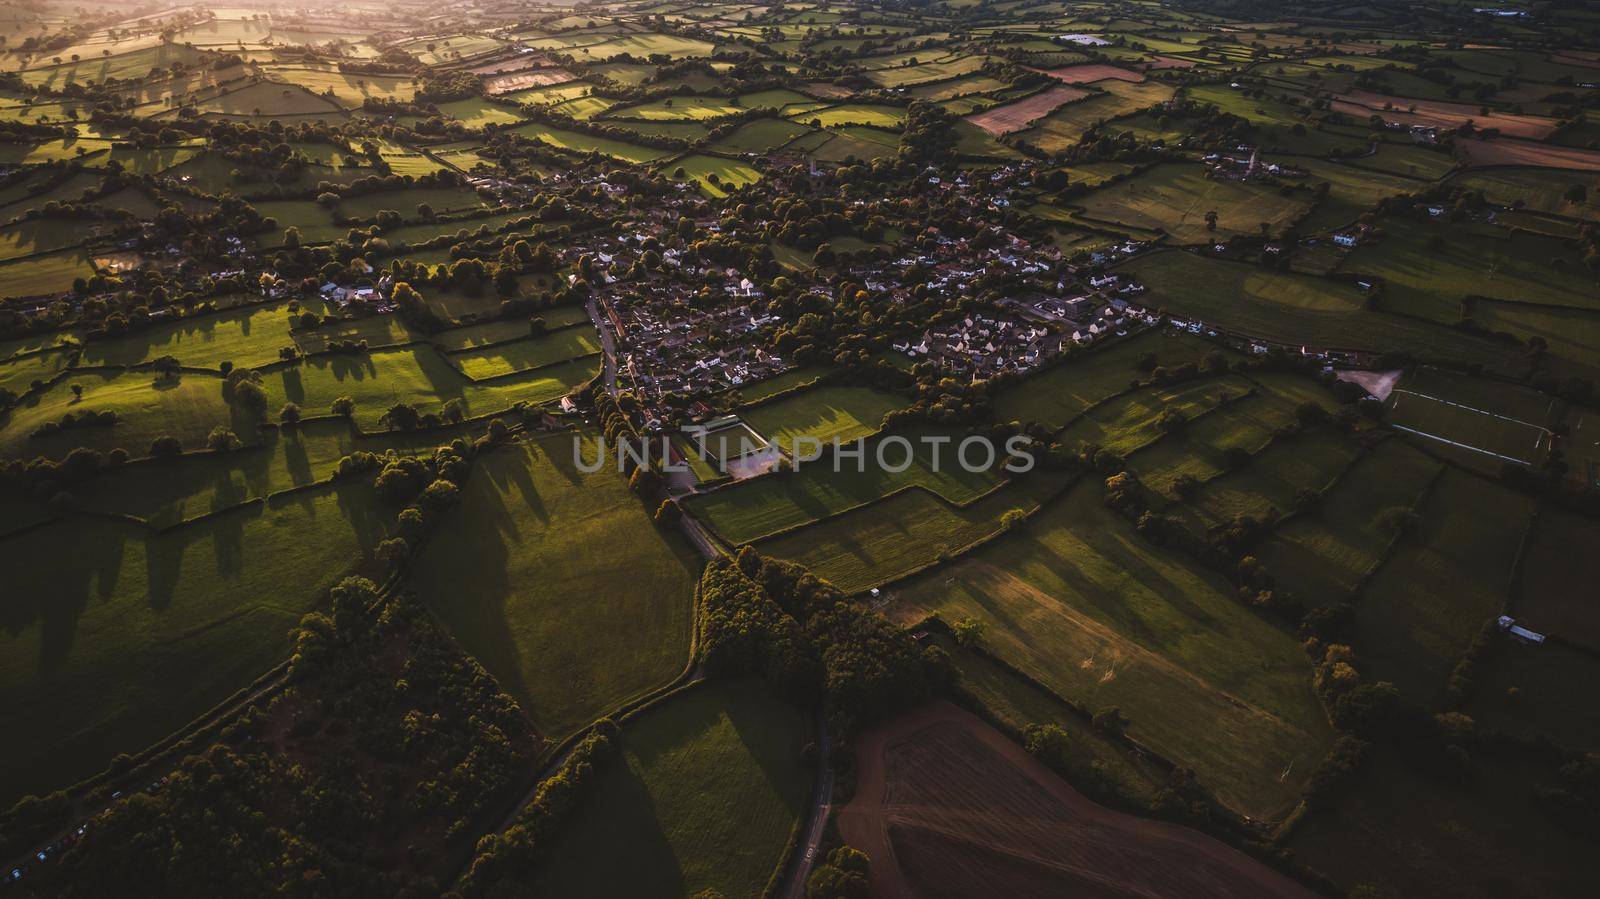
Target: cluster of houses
{"type": "Point", "coordinates": [1245, 164]}
{"type": "Point", "coordinates": [985, 345]}
{"type": "Point", "coordinates": [666, 346]}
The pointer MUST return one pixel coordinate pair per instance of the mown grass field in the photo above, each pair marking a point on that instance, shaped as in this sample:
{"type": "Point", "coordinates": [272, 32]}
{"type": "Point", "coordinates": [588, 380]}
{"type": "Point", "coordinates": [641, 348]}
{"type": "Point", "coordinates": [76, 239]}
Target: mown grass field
{"type": "Point", "coordinates": [1444, 582]}
{"type": "Point", "coordinates": [1554, 595]}
{"type": "Point", "coordinates": [418, 375]}
{"type": "Point", "coordinates": [827, 413]}
{"type": "Point", "coordinates": [187, 408]}
{"type": "Point", "coordinates": [531, 352]}
{"type": "Point", "coordinates": [117, 636]}
{"type": "Point", "coordinates": [1083, 604]}
{"type": "Point", "coordinates": [1291, 308]}
{"type": "Point", "coordinates": [753, 509]}
{"type": "Point", "coordinates": [1320, 557]}
{"type": "Point", "coordinates": [559, 583]}
{"type": "Point", "coordinates": [1130, 422]}
{"type": "Point", "coordinates": [1175, 199]}
{"type": "Point", "coordinates": [885, 540]}
{"type": "Point", "coordinates": [710, 786]}
{"type": "Point", "coordinates": [1059, 393]}
{"type": "Point", "coordinates": [1486, 423]}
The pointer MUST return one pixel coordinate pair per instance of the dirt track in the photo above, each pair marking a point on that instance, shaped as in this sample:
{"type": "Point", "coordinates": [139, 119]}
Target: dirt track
{"type": "Point", "coordinates": [947, 806]}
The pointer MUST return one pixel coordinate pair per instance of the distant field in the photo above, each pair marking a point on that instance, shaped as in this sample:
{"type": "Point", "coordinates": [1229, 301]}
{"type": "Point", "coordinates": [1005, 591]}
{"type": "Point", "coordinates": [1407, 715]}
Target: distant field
{"type": "Point", "coordinates": [891, 117]}
{"type": "Point", "coordinates": [1020, 114]}
{"type": "Point", "coordinates": [1295, 309]}
{"type": "Point", "coordinates": [576, 601]}
{"type": "Point", "coordinates": [1129, 422]}
{"type": "Point", "coordinates": [1176, 199]}
{"type": "Point", "coordinates": [583, 143]}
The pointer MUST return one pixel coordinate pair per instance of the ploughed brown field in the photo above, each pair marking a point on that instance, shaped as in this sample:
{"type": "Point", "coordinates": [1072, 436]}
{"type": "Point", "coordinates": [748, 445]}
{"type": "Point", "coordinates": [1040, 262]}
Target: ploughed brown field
{"type": "Point", "coordinates": [1093, 71]}
{"type": "Point", "coordinates": [946, 805]}
{"type": "Point", "coordinates": [1440, 114]}
{"type": "Point", "coordinates": [1019, 115]}
{"type": "Point", "coordinates": [516, 81]}
{"type": "Point", "coordinates": [1509, 151]}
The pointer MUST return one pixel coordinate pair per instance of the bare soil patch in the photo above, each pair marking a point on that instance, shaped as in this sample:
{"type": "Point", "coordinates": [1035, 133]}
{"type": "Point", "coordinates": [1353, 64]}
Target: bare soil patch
{"type": "Point", "coordinates": [516, 81]}
{"type": "Point", "coordinates": [1091, 72]}
{"type": "Point", "coordinates": [1019, 115]}
{"type": "Point", "coordinates": [1506, 151]}
{"type": "Point", "coordinates": [1441, 114]}
{"type": "Point", "coordinates": [945, 805]}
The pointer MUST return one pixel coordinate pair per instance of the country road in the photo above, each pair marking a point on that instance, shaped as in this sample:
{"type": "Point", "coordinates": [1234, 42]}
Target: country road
{"type": "Point", "coordinates": [805, 853]}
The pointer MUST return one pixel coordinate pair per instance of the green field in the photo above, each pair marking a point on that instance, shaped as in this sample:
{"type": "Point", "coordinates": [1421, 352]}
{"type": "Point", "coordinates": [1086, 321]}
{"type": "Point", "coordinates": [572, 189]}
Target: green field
{"type": "Point", "coordinates": [573, 600]}
{"type": "Point", "coordinates": [1322, 556]}
{"type": "Point", "coordinates": [711, 784]}
{"type": "Point", "coordinates": [117, 635]}
{"type": "Point", "coordinates": [891, 538]}
{"type": "Point", "coordinates": [1563, 560]}
{"type": "Point", "coordinates": [415, 374]}
{"type": "Point", "coordinates": [1442, 585]}
{"type": "Point", "coordinates": [752, 509]}
{"type": "Point", "coordinates": [1079, 601]}
{"type": "Point", "coordinates": [586, 143]}
{"type": "Point", "coordinates": [532, 352]}
{"type": "Point", "coordinates": [759, 136]}
{"type": "Point", "coordinates": [1062, 392]}
{"type": "Point", "coordinates": [1295, 309]}
{"type": "Point", "coordinates": [1176, 198]}
{"type": "Point", "coordinates": [715, 175]}
{"type": "Point", "coordinates": [827, 414]}
{"type": "Point", "coordinates": [1488, 422]}
{"type": "Point", "coordinates": [1130, 422]}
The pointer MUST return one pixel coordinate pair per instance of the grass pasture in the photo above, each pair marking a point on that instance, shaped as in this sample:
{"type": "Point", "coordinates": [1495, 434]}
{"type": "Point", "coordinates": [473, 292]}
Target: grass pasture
{"type": "Point", "coordinates": [531, 352]}
{"type": "Point", "coordinates": [1443, 583]}
{"type": "Point", "coordinates": [711, 784]}
{"type": "Point", "coordinates": [882, 541]}
{"type": "Point", "coordinates": [1293, 309]}
{"type": "Point", "coordinates": [750, 510]}
{"type": "Point", "coordinates": [1061, 392]}
{"type": "Point", "coordinates": [826, 414]}
{"type": "Point", "coordinates": [1078, 601]}
{"type": "Point", "coordinates": [1554, 594]}
{"type": "Point", "coordinates": [582, 144]}
{"type": "Point", "coordinates": [577, 600]}
{"type": "Point", "coordinates": [1176, 198]}
{"type": "Point", "coordinates": [117, 635]}
{"type": "Point", "coordinates": [1321, 557]}
{"type": "Point", "coordinates": [714, 174]}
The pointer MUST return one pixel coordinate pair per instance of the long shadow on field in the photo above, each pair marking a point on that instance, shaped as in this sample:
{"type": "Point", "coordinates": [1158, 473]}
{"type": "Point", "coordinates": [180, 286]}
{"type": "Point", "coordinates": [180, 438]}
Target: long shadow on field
{"type": "Point", "coordinates": [645, 863]}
